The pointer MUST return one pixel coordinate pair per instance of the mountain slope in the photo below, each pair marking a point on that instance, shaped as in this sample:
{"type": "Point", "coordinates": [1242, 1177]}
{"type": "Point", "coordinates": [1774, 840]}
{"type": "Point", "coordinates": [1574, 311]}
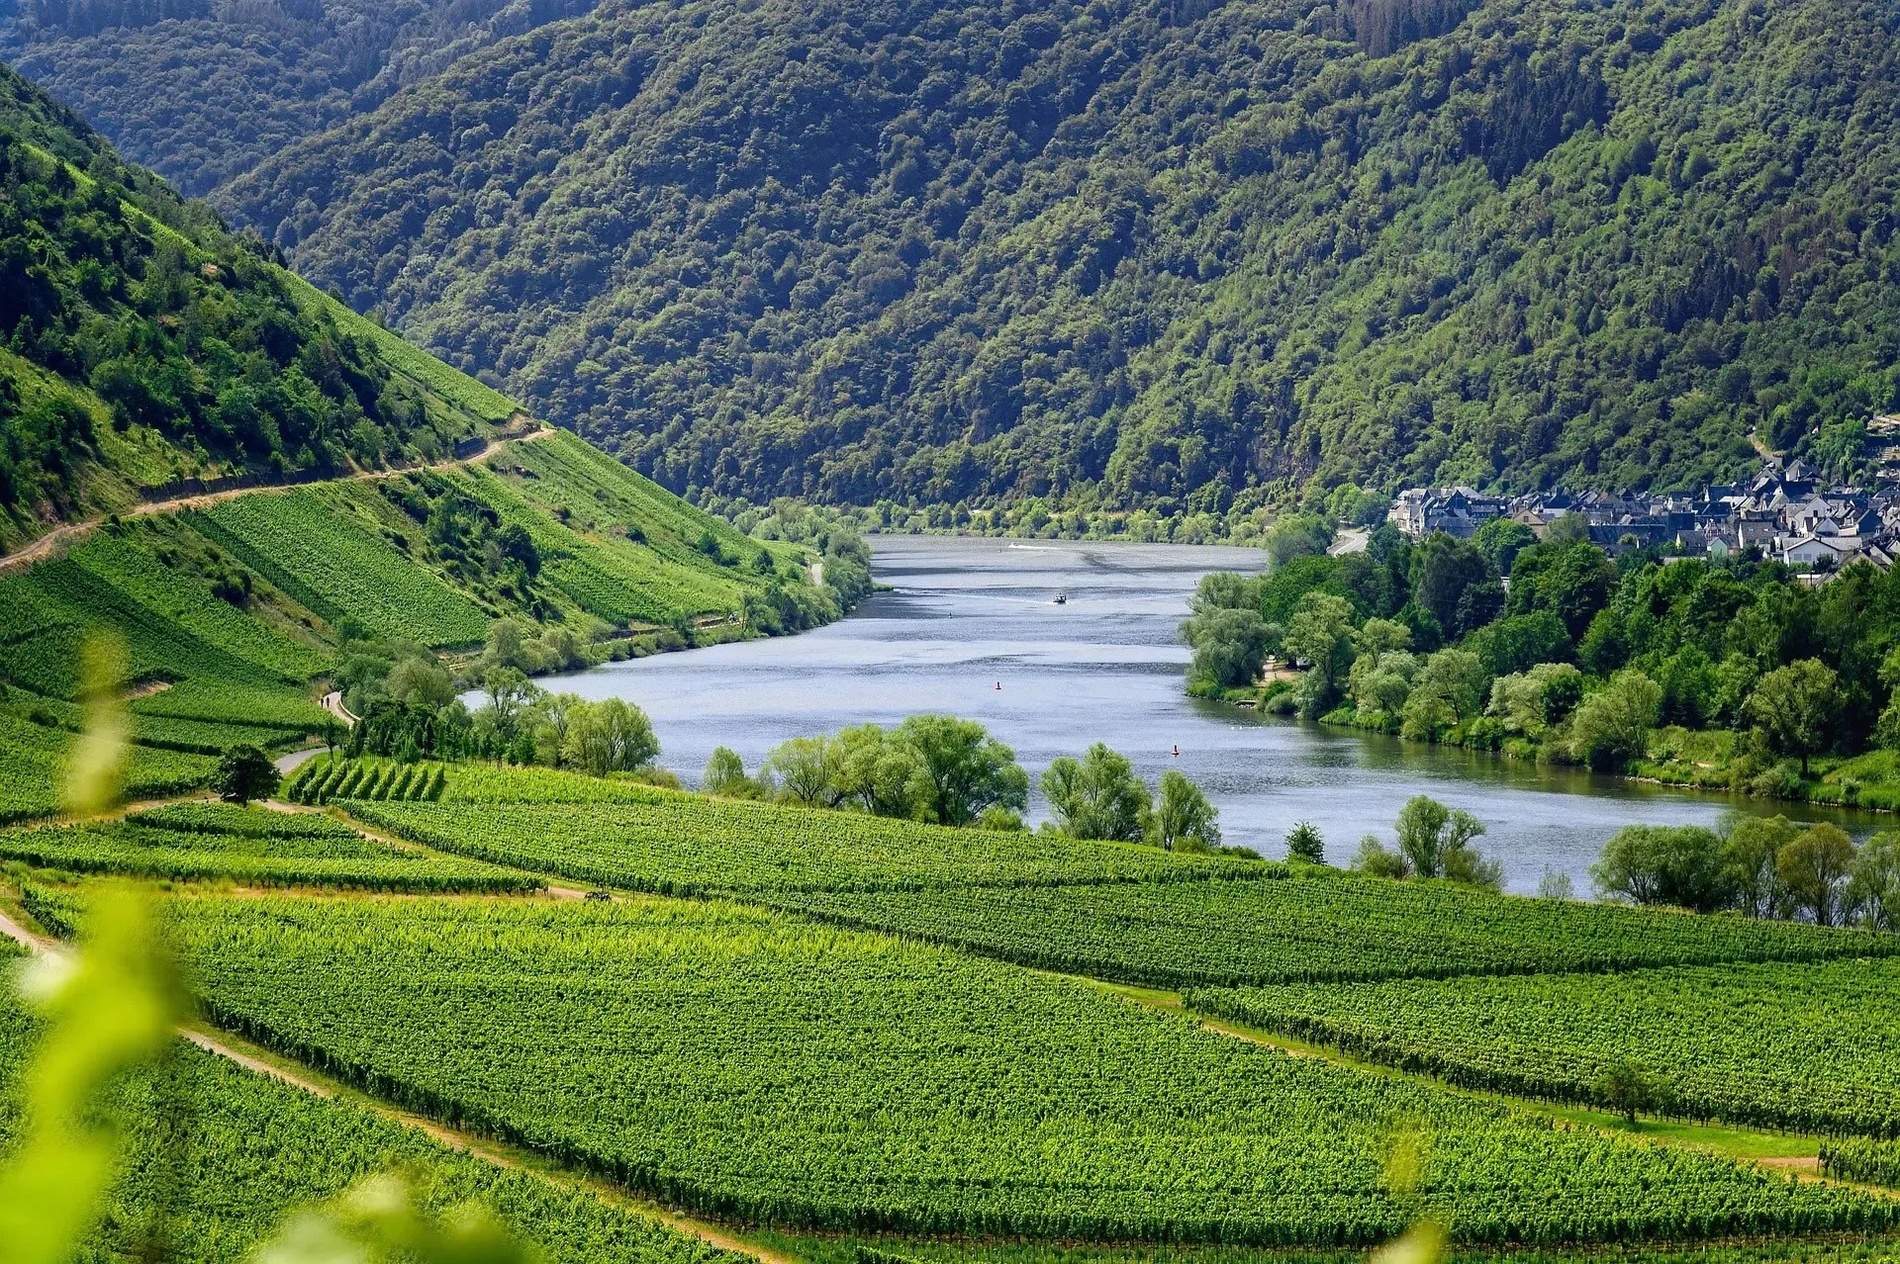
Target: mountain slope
{"type": "Point", "coordinates": [1144, 254]}
{"type": "Point", "coordinates": [409, 527]}
{"type": "Point", "coordinates": [201, 90]}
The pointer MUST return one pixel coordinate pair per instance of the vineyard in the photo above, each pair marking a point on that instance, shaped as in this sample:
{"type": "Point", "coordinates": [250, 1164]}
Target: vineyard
{"type": "Point", "coordinates": [205, 842]}
{"type": "Point", "coordinates": [33, 763]}
{"type": "Point", "coordinates": [1315, 929]}
{"type": "Point", "coordinates": [324, 780]}
{"type": "Point", "coordinates": [674, 843]}
{"type": "Point", "coordinates": [1862, 1159]}
{"type": "Point", "coordinates": [239, 1153]}
{"type": "Point", "coordinates": [310, 544]}
{"type": "Point", "coordinates": [878, 1085]}
{"type": "Point", "coordinates": [1814, 1047]}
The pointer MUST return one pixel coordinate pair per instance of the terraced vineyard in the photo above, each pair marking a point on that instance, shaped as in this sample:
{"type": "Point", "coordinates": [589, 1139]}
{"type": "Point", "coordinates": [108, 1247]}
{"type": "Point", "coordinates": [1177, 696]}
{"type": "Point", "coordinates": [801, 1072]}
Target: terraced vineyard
{"type": "Point", "coordinates": [764, 1069]}
{"type": "Point", "coordinates": [308, 544]}
{"type": "Point", "coordinates": [222, 1157]}
{"type": "Point", "coordinates": [1808, 1046]}
{"type": "Point", "coordinates": [256, 846]}
{"type": "Point", "coordinates": [676, 843]}
{"type": "Point", "coordinates": [1314, 929]}
{"type": "Point", "coordinates": [33, 763]}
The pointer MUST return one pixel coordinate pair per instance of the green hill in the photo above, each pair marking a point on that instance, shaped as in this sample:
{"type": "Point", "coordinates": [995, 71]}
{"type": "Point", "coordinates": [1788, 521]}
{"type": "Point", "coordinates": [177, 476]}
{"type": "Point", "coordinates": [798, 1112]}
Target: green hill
{"type": "Point", "coordinates": [253, 488]}
{"type": "Point", "coordinates": [1161, 255]}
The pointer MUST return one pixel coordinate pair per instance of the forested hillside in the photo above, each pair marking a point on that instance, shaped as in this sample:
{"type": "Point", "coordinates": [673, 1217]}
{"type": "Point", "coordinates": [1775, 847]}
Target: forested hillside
{"type": "Point", "coordinates": [144, 348]}
{"type": "Point", "coordinates": [202, 90]}
{"type": "Point", "coordinates": [1157, 254]}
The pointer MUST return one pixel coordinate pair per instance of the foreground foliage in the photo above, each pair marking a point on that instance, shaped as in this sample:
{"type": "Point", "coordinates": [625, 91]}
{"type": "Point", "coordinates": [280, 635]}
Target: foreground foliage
{"type": "Point", "coordinates": [882, 1085]}
{"type": "Point", "coordinates": [1809, 1046]}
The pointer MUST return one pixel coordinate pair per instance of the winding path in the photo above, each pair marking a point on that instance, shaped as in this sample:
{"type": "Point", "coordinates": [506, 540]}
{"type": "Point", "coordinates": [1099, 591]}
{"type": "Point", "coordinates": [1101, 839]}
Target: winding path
{"type": "Point", "coordinates": [50, 543]}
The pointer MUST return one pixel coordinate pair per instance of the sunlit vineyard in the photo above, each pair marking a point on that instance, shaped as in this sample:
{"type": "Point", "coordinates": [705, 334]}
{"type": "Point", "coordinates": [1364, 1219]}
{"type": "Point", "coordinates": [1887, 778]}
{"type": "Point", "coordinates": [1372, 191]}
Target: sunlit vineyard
{"type": "Point", "coordinates": [1866, 1159]}
{"type": "Point", "coordinates": [220, 1158]}
{"type": "Point", "coordinates": [1316, 929]}
{"type": "Point", "coordinates": [765, 1069]}
{"type": "Point", "coordinates": [1808, 1046]}
{"type": "Point", "coordinates": [309, 545]}
{"type": "Point", "coordinates": [204, 843]}
{"type": "Point", "coordinates": [675, 843]}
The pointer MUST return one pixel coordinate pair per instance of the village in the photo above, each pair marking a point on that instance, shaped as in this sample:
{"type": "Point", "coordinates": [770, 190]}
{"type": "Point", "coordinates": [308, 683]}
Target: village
{"type": "Point", "coordinates": [1785, 513]}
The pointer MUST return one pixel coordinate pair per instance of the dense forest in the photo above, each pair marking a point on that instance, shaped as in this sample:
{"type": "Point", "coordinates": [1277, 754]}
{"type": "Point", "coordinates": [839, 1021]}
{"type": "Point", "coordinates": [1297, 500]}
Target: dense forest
{"type": "Point", "coordinates": [202, 90]}
{"type": "Point", "coordinates": [142, 344]}
{"type": "Point", "coordinates": [1172, 256]}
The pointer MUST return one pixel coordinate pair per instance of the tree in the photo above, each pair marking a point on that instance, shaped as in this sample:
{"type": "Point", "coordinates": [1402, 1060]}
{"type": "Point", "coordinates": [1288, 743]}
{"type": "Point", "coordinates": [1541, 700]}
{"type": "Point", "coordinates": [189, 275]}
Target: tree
{"type": "Point", "coordinates": [725, 775]}
{"type": "Point", "coordinates": [421, 682]}
{"type": "Point", "coordinates": [1375, 858]}
{"type": "Point", "coordinates": [1458, 677]}
{"type": "Point", "coordinates": [509, 693]}
{"type": "Point", "coordinates": [612, 735]}
{"type": "Point", "coordinates": [967, 769]}
{"type": "Point", "coordinates": [1501, 540]}
{"type": "Point", "coordinates": [1612, 726]}
{"type": "Point", "coordinates": [1303, 842]}
{"type": "Point", "coordinates": [1686, 866]}
{"type": "Point", "coordinates": [1874, 890]}
{"type": "Point", "coordinates": [246, 773]}
{"type": "Point", "coordinates": [1097, 796]}
{"type": "Point", "coordinates": [1627, 1088]}
{"type": "Point", "coordinates": [1297, 535]}
{"type": "Point", "coordinates": [1574, 581]}
{"type": "Point", "coordinates": [1814, 870]}
{"type": "Point", "coordinates": [806, 771]}
{"type": "Point", "coordinates": [552, 723]}
{"type": "Point", "coordinates": [1797, 707]}
{"type": "Point", "coordinates": [879, 773]}
{"type": "Point", "coordinates": [1320, 634]}
{"type": "Point", "coordinates": [1230, 646]}
{"type": "Point", "coordinates": [1183, 819]}
{"type": "Point", "coordinates": [1444, 568]}
{"type": "Point", "coordinates": [1749, 850]}
{"type": "Point", "coordinates": [1433, 836]}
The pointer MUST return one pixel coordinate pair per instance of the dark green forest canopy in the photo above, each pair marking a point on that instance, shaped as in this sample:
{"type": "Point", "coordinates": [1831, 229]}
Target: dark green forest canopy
{"type": "Point", "coordinates": [1155, 254]}
{"type": "Point", "coordinates": [142, 343]}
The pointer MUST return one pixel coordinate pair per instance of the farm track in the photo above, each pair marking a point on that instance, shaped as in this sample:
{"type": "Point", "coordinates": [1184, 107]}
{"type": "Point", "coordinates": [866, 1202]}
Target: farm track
{"type": "Point", "coordinates": [260, 1061]}
{"type": "Point", "coordinates": [50, 543]}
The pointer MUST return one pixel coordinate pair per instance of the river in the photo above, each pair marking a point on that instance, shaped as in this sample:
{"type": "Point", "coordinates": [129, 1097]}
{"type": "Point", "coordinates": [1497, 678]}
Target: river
{"type": "Point", "coordinates": [968, 615]}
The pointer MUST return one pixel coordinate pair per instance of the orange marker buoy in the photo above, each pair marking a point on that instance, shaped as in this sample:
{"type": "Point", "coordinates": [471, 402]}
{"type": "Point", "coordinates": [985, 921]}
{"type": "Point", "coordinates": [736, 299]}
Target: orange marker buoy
{"type": "Point", "coordinates": [1177, 750]}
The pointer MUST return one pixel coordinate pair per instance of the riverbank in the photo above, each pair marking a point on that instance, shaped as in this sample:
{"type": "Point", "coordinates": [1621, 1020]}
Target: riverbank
{"type": "Point", "coordinates": [1715, 761]}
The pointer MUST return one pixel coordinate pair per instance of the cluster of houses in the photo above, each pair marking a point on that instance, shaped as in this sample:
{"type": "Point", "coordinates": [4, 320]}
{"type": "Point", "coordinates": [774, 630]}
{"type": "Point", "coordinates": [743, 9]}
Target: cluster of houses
{"type": "Point", "coordinates": [1785, 513]}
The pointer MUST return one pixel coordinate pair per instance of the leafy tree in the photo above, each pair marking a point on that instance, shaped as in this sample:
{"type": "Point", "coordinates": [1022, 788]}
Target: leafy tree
{"type": "Point", "coordinates": [1814, 870]}
{"type": "Point", "coordinates": [246, 773]}
{"type": "Point", "coordinates": [1434, 838]}
{"type": "Point", "coordinates": [1230, 646]}
{"type": "Point", "coordinates": [1303, 842]}
{"type": "Point", "coordinates": [1183, 819]}
{"type": "Point", "coordinates": [1446, 573]}
{"type": "Point", "coordinates": [968, 770]}
{"type": "Point", "coordinates": [1612, 726]}
{"type": "Point", "coordinates": [1685, 866]}
{"type": "Point", "coordinates": [1320, 634]}
{"type": "Point", "coordinates": [1297, 535]}
{"type": "Point", "coordinates": [610, 736]}
{"type": "Point", "coordinates": [1572, 581]}
{"type": "Point", "coordinates": [1501, 540]}
{"type": "Point", "coordinates": [805, 770]}
{"type": "Point", "coordinates": [1375, 858]}
{"type": "Point", "coordinates": [1520, 642]}
{"type": "Point", "coordinates": [1873, 891]}
{"type": "Point", "coordinates": [1750, 851]}
{"type": "Point", "coordinates": [725, 775]}
{"type": "Point", "coordinates": [1798, 706]}
{"type": "Point", "coordinates": [880, 772]}
{"type": "Point", "coordinates": [1627, 1088]}
{"type": "Point", "coordinates": [1097, 796]}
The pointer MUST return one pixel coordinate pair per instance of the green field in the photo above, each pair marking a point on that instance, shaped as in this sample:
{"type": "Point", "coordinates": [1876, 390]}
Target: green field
{"type": "Point", "coordinates": [220, 1158]}
{"type": "Point", "coordinates": [677, 843]}
{"type": "Point", "coordinates": [1312, 929]}
{"type": "Point", "coordinates": [33, 765]}
{"type": "Point", "coordinates": [1796, 1045]}
{"type": "Point", "coordinates": [258, 847]}
{"type": "Point", "coordinates": [314, 545]}
{"type": "Point", "coordinates": [764, 1069]}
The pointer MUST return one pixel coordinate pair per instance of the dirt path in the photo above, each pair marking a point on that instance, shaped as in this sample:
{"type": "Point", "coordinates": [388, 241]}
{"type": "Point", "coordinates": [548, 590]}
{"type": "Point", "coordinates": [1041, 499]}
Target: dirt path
{"type": "Point", "coordinates": [49, 543]}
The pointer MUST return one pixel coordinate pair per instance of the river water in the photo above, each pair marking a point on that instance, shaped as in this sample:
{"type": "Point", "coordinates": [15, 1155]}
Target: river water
{"type": "Point", "coordinates": [968, 615]}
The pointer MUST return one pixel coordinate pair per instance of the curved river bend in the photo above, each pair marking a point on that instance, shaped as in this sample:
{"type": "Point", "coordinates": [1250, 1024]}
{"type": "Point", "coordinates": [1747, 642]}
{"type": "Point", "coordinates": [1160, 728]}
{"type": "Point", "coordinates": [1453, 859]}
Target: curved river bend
{"type": "Point", "coordinates": [968, 615]}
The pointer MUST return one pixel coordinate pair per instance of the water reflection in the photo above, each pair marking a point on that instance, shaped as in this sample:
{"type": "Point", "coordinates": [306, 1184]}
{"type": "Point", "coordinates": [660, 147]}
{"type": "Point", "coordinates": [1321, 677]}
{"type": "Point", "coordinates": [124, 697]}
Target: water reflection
{"type": "Point", "coordinates": [972, 628]}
